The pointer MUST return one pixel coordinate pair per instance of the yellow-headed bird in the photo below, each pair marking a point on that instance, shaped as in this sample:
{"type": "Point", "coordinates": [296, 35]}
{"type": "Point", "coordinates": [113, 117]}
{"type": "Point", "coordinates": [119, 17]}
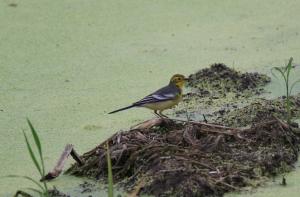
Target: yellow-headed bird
{"type": "Point", "coordinates": [164, 98]}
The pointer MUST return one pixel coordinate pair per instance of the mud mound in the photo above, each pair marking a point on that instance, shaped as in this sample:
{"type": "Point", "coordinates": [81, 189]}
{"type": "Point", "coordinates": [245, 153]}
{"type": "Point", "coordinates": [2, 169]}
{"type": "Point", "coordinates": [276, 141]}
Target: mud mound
{"type": "Point", "coordinates": [192, 158]}
{"type": "Point", "coordinates": [219, 88]}
{"type": "Point", "coordinates": [260, 109]}
{"type": "Point", "coordinates": [223, 79]}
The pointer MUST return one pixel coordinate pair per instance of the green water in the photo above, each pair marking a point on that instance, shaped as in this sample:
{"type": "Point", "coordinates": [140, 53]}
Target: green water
{"type": "Point", "coordinates": [66, 63]}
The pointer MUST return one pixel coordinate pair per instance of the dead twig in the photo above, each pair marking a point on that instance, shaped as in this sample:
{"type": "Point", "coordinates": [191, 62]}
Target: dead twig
{"type": "Point", "coordinates": [148, 124]}
{"type": "Point", "coordinates": [69, 149]}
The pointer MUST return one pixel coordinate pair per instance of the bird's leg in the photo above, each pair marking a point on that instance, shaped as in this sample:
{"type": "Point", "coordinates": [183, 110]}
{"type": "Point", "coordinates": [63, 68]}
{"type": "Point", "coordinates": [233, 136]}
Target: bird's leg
{"type": "Point", "coordinates": [204, 118]}
{"type": "Point", "coordinates": [162, 115]}
{"type": "Point", "coordinates": [157, 114]}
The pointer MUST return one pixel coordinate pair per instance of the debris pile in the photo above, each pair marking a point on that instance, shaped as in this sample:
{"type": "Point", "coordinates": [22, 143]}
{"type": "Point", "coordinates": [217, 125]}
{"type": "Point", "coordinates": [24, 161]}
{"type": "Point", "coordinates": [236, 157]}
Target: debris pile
{"type": "Point", "coordinates": [175, 158]}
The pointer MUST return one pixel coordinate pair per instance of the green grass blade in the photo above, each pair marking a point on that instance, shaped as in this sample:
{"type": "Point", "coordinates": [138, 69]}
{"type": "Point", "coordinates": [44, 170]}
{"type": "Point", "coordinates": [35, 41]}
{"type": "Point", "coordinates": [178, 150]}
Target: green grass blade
{"type": "Point", "coordinates": [27, 178]}
{"type": "Point", "coordinates": [293, 85]}
{"type": "Point", "coordinates": [35, 136]}
{"type": "Point", "coordinates": [289, 67]}
{"type": "Point", "coordinates": [22, 193]}
{"type": "Point", "coordinates": [278, 70]}
{"type": "Point", "coordinates": [35, 190]}
{"type": "Point", "coordinates": [110, 177]}
{"type": "Point", "coordinates": [38, 144]}
{"type": "Point", "coordinates": [285, 74]}
{"type": "Point", "coordinates": [272, 72]}
{"type": "Point", "coordinates": [32, 155]}
{"type": "Point", "coordinates": [282, 74]}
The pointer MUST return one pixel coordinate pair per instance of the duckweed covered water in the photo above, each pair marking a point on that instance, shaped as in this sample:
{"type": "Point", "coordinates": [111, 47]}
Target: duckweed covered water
{"type": "Point", "coordinates": [65, 64]}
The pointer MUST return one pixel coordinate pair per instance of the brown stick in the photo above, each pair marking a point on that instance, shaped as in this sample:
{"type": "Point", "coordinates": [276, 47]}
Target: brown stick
{"type": "Point", "coordinates": [148, 124]}
{"type": "Point", "coordinates": [76, 157]}
{"type": "Point", "coordinates": [61, 162]}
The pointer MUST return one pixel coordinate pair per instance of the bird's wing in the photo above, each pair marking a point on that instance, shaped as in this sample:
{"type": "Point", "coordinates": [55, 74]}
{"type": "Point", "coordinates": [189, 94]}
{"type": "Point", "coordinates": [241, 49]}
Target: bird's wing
{"type": "Point", "coordinates": [166, 93]}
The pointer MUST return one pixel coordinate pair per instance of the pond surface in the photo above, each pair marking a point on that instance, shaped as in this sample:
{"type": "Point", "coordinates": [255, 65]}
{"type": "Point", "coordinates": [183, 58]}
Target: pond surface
{"type": "Point", "coordinates": [65, 64]}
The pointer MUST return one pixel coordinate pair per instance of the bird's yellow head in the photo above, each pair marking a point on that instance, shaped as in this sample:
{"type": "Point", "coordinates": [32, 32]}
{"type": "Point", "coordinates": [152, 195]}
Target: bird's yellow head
{"type": "Point", "coordinates": [178, 80]}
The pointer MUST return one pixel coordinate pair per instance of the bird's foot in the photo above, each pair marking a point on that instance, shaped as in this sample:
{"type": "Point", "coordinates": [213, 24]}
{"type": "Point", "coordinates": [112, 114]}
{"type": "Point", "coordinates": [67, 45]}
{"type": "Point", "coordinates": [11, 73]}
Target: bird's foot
{"type": "Point", "coordinates": [204, 118]}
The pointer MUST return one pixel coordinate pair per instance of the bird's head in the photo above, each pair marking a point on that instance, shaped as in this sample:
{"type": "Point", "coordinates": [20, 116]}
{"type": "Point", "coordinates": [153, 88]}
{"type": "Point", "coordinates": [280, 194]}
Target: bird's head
{"type": "Point", "coordinates": [178, 80]}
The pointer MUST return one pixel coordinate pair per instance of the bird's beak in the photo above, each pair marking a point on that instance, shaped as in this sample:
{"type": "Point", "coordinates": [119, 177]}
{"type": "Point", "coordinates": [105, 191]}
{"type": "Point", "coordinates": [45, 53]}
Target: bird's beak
{"type": "Point", "coordinates": [186, 79]}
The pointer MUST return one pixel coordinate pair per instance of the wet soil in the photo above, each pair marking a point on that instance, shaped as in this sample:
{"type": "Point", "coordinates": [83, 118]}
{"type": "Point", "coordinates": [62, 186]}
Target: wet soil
{"type": "Point", "coordinates": [192, 158]}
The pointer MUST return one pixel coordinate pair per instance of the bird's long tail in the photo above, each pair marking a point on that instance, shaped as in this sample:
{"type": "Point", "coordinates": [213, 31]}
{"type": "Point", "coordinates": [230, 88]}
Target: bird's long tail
{"type": "Point", "coordinates": [124, 108]}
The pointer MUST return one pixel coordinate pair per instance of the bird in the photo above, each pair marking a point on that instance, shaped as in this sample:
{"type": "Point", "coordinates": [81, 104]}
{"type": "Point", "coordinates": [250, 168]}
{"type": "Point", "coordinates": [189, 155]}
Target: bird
{"type": "Point", "coordinates": [162, 99]}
